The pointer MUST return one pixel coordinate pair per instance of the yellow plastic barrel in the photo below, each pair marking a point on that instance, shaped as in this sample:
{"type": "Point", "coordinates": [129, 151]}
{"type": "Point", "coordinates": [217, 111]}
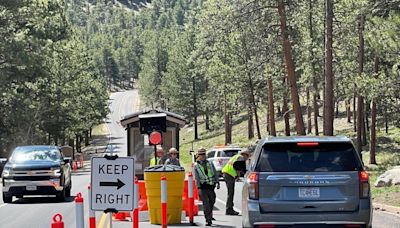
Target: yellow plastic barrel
{"type": "Point", "coordinates": [175, 176]}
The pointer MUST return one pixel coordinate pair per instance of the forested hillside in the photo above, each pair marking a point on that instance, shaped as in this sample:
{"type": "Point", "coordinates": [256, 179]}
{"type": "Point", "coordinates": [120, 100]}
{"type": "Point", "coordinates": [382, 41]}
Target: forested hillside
{"type": "Point", "coordinates": [50, 89]}
{"type": "Point", "coordinates": [211, 60]}
{"type": "Point", "coordinates": [300, 58]}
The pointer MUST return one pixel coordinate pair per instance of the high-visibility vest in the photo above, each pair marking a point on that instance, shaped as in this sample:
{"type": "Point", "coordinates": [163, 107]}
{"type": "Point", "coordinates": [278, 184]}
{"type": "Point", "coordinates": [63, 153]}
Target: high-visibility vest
{"type": "Point", "coordinates": [153, 162]}
{"type": "Point", "coordinates": [207, 179]}
{"type": "Point", "coordinates": [228, 168]}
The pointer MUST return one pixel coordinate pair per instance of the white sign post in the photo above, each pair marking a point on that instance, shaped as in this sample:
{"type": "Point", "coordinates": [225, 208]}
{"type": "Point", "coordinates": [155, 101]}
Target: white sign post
{"type": "Point", "coordinates": [112, 183]}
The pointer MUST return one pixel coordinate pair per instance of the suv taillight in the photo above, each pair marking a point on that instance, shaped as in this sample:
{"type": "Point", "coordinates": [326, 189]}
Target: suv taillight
{"type": "Point", "coordinates": [252, 181]}
{"type": "Point", "coordinates": [364, 184]}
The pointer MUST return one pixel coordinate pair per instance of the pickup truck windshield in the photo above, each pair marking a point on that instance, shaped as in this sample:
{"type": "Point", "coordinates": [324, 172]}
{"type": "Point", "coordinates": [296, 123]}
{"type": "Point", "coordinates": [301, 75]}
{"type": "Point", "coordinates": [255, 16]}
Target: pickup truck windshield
{"type": "Point", "coordinates": [35, 155]}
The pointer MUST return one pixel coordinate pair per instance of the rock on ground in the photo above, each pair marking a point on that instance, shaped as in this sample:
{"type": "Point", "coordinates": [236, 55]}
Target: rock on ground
{"type": "Point", "coordinates": [389, 178]}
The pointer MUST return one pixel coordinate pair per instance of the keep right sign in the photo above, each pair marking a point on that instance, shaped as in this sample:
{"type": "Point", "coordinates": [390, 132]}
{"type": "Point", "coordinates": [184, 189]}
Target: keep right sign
{"type": "Point", "coordinates": [112, 181]}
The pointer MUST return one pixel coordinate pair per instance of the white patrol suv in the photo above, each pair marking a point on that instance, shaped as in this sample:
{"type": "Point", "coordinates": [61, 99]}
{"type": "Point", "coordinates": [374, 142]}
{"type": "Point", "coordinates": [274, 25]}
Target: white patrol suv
{"type": "Point", "coordinates": [220, 155]}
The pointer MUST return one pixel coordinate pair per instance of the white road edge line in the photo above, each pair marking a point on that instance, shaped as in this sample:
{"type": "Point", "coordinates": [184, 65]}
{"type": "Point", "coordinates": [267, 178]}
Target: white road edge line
{"type": "Point", "coordinates": [224, 202]}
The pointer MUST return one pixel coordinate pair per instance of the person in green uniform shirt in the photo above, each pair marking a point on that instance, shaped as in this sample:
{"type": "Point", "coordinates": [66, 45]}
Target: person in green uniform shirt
{"type": "Point", "coordinates": [160, 157]}
{"type": "Point", "coordinates": [206, 182]}
{"type": "Point", "coordinates": [231, 172]}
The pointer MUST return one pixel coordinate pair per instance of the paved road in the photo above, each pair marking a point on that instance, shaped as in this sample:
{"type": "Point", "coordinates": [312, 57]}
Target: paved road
{"type": "Point", "coordinates": [122, 103]}
{"type": "Point", "coordinates": [37, 212]}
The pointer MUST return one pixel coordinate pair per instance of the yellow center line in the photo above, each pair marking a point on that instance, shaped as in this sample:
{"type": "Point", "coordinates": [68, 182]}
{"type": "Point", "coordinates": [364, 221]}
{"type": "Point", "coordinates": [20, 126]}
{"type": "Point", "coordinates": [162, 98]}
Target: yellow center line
{"type": "Point", "coordinates": [103, 218]}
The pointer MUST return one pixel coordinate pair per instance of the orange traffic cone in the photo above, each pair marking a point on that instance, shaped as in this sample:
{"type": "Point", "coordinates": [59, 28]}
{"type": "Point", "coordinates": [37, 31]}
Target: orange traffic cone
{"type": "Point", "coordinates": [74, 166]}
{"type": "Point", "coordinates": [121, 216]}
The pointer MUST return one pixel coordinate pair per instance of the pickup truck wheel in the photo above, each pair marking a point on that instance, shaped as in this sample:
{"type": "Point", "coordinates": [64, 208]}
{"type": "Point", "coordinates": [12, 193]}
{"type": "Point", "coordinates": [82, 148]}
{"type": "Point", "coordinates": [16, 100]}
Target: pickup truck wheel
{"type": "Point", "coordinates": [7, 198]}
{"type": "Point", "coordinates": [61, 195]}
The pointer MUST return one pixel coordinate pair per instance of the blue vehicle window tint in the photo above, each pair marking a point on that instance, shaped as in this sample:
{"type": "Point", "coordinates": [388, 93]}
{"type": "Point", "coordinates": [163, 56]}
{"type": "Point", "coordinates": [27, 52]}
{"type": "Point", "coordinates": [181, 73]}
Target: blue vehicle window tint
{"type": "Point", "coordinates": [229, 153]}
{"type": "Point", "coordinates": [211, 154]}
{"type": "Point", "coordinates": [326, 157]}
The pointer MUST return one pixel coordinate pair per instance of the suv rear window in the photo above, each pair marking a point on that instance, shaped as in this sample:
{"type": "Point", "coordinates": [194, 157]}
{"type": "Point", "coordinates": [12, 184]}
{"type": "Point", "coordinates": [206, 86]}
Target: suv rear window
{"type": "Point", "coordinates": [325, 157]}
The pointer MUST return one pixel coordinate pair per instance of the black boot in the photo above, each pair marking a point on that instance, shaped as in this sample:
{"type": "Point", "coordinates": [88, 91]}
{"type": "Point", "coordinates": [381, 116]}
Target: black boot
{"type": "Point", "coordinates": [231, 212]}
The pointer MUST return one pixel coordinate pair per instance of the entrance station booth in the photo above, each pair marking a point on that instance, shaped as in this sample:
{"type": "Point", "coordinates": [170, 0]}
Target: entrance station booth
{"type": "Point", "coordinates": [138, 144]}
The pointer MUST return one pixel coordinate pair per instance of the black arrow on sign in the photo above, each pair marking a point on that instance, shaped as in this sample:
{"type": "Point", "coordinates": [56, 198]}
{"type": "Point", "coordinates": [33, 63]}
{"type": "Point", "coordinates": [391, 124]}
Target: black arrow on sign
{"type": "Point", "coordinates": [119, 184]}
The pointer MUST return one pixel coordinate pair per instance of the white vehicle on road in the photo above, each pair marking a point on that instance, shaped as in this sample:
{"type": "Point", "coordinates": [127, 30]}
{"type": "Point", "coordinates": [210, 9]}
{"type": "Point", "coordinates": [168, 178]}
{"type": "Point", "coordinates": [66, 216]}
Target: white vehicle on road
{"type": "Point", "coordinates": [220, 155]}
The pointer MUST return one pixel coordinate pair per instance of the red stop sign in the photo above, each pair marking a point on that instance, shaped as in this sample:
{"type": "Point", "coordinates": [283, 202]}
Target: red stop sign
{"type": "Point", "coordinates": [155, 138]}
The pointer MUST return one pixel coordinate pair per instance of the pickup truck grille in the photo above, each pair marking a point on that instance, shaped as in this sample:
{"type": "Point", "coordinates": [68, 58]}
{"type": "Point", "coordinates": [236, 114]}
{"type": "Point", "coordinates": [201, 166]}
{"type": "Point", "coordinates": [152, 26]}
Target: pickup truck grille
{"type": "Point", "coordinates": [31, 178]}
{"type": "Point", "coordinates": [31, 168]}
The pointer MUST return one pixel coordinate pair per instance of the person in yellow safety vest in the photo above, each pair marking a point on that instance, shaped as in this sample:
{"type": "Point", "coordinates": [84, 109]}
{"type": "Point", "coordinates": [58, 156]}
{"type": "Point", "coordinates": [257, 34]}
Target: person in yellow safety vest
{"type": "Point", "coordinates": [231, 173]}
{"type": "Point", "coordinates": [206, 181]}
{"type": "Point", "coordinates": [160, 157]}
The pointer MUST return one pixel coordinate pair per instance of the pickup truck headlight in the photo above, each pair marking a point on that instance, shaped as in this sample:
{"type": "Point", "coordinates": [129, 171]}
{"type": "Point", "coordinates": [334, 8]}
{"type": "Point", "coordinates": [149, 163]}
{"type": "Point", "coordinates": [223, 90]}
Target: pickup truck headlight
{"type": "Point", "coordinates": [56, 171]}
{"type": "Point", "coordinates": [6, 171]}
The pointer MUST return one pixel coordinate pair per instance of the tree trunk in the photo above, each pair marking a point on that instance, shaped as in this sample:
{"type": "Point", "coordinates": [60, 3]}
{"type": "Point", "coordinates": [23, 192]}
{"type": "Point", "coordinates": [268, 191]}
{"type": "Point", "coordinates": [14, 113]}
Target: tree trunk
{"type": "Point", "coordinates": [337, 109]}
{"type": "Point", "coordinates": [86, 138]}
{"type": "Point", "coordinates": [90, 132]}
{"type": "Point", "coordinates": [285, 109]}
{"type": "Point", "coordinates": [48, 139]}
{"type": "Point", "coordinates": [360, 124]}
{"type": "Point", "coordinates": [348, 111]}
{"type": "Point", "coordinates": [329, 77]}
{"type": "Point", "coordinates": [268, 125]}
{"type": "Point", "coordinates": [308, 111]}
{"type": "Point", "coordinates": [271, 108]}
{"type": "Point", "coordinates": [254, 105]}
{"type": "Point", "coordinates": [207, 120]}
{"type": "Point", "coordinates": [71, 144]}
{"type": "Point", "coordinates": [250, 123]}
{"type": "Point", "coordinates": [313, 63]}
{"type": "Point", "coordinates": [286, 116]}
{"type": "Point", "coordinates": [360, 99]}
{"type": "Point", "coordinates": [386, 122]}
{"type": "Point", "coordinates": [355, 112]}
{"type": "Point", "coordinates": [367, 114]}
{"type": "Point", "coordinates": [372, 145]}
{"type": "Point", "coordinates": [287, 50]}
{"type": "Point", "coordinates": [366, 122]}
{"type": "Point", "coordinates": [196, 136]}
{"type": "Point", "coordinates": [228, 129]}
{"type": "Point", "coordinates": [279, 111]}
{"type": "Point", "coordinates": [316, 114]}
{"type": "Point", "coordinates": [77, 143]}
{"type": "Point", "coordinates": [364, 128]}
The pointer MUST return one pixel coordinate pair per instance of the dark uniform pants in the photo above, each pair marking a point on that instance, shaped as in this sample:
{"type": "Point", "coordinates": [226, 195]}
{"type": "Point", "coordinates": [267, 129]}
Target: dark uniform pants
{"type": "Point", "coordinates": [208, 197]}
{"type": "Point", "coordinates": [230, 185]}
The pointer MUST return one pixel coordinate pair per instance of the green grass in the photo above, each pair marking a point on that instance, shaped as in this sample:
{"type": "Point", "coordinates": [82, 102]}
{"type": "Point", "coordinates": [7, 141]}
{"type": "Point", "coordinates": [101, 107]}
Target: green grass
{"type": "Point", "coordinates": [100, 129]}
{"type": "Point", "coordinates": [388, 149]}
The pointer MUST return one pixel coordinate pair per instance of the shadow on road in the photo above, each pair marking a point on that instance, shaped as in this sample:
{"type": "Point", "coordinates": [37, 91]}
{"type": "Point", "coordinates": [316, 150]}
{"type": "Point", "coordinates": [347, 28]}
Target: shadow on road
{"type": "Point", "coordinates": [40, 200]}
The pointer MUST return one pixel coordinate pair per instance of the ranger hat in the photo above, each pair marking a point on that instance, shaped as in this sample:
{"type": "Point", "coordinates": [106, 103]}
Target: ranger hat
{"type": "Point", "coordinates": [246, 152]}
{"type": "Point", "coordinates": [201, 150]}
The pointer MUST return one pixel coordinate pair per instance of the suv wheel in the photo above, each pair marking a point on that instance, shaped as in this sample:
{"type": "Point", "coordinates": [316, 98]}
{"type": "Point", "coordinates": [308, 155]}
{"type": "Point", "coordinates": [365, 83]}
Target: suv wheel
{"type": "Point", "coordinates": [7, 198]}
